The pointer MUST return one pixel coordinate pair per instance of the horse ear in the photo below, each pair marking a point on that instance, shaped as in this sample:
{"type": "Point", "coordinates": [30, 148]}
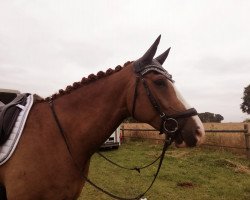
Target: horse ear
{"type": "Point", "coordinates": [161, 58]}
{"type": "Point", "coordinates": [149, 55]}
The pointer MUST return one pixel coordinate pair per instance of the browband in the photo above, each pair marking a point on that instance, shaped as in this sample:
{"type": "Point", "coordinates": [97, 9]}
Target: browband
{"type": "Point", "coordinates": [149, 68]}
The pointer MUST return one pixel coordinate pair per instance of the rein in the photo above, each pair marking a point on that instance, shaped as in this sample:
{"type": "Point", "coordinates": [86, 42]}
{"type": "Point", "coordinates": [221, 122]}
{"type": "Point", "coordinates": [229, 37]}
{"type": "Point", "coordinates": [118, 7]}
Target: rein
{"type": "Point", "coordinates": [165, 120]}
{"type": "Point", "coordinates": [167, 143]}
{"type": "Point", "coordinates": [138, 169]}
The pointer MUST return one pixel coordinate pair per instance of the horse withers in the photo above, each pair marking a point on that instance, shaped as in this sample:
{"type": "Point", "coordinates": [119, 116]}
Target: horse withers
{"type": "Point", "coordinates": [63, 131]}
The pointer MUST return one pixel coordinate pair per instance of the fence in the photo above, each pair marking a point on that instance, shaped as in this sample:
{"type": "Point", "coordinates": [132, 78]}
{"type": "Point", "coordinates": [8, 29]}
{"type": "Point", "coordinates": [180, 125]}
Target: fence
{"type": "Point", "coordinates": [239, 140]}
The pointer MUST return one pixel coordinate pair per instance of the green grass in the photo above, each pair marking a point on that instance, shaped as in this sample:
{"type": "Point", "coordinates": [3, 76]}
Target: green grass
{"type": "Point", "coordinates": [185, 174]}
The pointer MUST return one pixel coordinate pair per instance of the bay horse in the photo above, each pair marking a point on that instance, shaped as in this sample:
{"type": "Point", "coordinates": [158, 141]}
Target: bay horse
{"type": "Point", "coordinates": [48, 165]}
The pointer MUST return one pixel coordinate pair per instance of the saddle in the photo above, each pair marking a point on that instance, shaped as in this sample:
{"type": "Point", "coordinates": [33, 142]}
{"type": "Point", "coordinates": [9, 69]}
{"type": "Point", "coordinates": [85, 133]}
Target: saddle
{"type": "Point", "coordinates": [8, 115]}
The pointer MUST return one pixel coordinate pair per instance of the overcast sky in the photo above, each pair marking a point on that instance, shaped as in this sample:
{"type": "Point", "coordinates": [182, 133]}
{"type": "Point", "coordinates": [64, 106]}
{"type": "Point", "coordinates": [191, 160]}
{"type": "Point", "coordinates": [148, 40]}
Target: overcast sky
{"type": "Point", "coordinates": [46, 45]}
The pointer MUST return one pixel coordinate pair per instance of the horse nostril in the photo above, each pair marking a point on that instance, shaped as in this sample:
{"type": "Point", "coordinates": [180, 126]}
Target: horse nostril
{"type": "Point", "coordinates": [199, 132]}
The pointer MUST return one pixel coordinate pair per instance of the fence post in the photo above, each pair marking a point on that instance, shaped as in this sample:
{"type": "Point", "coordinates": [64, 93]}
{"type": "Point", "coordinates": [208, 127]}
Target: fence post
{"type": "Point", "coordinates": [247, 139]}
{"type": "Point", "coordinates": [122, 129]}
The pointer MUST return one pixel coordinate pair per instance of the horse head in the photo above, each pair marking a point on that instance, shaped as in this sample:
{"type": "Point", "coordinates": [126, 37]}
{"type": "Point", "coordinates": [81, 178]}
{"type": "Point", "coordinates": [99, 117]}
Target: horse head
{"type": "Point", "coordinates": [155, 100]}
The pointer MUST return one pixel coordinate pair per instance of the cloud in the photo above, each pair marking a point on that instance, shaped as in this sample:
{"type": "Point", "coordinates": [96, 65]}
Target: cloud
{"type": "Point", "coordinates": [47, 45]}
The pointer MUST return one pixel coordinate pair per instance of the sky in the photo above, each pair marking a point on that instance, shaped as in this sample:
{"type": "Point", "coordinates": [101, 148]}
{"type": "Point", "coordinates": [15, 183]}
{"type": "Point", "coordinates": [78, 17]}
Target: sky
{"type": "Point", "coordinates": [46, 45]}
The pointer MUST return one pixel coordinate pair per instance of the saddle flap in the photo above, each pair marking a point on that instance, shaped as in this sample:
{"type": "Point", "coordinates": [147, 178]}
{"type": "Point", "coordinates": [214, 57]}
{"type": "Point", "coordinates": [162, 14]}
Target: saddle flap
{"type": "Point", "coordinates": [9, 114]}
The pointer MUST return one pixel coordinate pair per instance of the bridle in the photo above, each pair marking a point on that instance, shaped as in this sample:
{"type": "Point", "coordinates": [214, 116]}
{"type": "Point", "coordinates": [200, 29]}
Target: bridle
{"type": "Point", "coordinates": [165, 119]}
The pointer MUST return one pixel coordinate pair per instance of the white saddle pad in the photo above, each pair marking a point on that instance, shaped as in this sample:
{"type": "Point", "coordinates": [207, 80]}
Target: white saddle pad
{"type": "Point", "coordinates": [7, 149]}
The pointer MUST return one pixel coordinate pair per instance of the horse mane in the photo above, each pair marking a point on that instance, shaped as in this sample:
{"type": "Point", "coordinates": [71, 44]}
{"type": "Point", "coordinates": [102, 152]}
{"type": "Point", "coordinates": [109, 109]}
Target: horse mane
{"type": "Point", "coordinates": [91, 78]}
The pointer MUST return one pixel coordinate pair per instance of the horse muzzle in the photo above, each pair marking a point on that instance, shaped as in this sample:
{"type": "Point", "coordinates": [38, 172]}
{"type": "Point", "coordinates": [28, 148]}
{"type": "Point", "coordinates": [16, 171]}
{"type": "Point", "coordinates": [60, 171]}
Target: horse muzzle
{"type": "Point", "coordinates": [192, 134]}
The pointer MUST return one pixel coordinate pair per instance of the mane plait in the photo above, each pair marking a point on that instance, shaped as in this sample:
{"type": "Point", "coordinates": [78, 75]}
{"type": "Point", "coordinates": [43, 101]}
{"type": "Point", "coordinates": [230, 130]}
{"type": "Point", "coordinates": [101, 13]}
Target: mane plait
{"type": "Point", "coordinates": [85, 81]}
{"type": "Point", "coordinates": [127, 63]}
{"type": "Point", "coordinates": [100, 74]}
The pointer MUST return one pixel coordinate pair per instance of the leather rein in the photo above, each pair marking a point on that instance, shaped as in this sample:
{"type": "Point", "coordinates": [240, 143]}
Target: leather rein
{"type": "Point", "coordinates": [165, 120]}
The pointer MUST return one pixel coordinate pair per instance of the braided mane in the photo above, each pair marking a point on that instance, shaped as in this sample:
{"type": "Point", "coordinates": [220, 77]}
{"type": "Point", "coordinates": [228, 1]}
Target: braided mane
{"type": "Point", "coordinates": [85, 81]}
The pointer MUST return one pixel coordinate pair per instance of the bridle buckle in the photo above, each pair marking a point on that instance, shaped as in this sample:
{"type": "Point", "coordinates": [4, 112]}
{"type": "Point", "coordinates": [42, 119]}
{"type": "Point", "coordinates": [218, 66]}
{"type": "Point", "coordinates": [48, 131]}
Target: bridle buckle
{"type": "Point", "coordinates": [162, 115]}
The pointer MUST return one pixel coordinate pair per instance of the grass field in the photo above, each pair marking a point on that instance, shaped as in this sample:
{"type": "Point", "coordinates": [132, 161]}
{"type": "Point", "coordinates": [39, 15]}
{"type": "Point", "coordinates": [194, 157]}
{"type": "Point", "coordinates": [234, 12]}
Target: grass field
{"type": "Point", "coordinates": [186, 174]}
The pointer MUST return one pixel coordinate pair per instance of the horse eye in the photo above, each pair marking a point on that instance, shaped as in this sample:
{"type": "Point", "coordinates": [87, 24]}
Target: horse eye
{"type": "Point", "coordinates": [159, 82]}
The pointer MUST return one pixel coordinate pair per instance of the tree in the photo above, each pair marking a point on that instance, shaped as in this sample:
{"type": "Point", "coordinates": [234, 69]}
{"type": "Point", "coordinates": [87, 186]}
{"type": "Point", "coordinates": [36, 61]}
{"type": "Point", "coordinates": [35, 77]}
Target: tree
{"type": "Point", "coordinates": [245, 106]}
{"type": "Point", "coordinates": [211, 117]}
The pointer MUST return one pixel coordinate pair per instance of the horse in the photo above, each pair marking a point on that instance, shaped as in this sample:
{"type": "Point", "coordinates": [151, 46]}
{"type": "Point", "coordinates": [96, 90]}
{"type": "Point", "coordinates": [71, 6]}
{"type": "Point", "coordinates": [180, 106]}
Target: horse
{"type": "Point", "coordinates": [63, 131]}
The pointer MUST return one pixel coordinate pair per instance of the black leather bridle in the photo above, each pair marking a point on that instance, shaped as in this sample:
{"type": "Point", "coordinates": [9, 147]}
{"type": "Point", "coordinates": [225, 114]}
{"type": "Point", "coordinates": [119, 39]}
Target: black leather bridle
{"type": "Point", "coordinates": [166, 119]}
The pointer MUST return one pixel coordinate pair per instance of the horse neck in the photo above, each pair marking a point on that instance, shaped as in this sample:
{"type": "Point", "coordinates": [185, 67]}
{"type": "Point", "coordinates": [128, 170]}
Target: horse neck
{"type": "Point", "coordinates": [92, 112]}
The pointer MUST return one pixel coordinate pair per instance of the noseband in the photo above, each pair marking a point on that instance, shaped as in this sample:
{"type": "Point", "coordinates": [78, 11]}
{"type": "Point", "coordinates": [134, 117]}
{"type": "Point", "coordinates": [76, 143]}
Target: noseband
{"type": "Point", "coordinates": [166, 120]}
